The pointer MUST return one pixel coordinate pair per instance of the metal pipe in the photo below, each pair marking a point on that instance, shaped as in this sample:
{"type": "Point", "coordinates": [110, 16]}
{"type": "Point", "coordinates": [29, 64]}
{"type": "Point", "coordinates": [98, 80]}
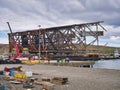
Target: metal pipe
{"type": "Point", "coordinates": [11, 35]}
{"type": "Point", "coordinates": [39, 45]}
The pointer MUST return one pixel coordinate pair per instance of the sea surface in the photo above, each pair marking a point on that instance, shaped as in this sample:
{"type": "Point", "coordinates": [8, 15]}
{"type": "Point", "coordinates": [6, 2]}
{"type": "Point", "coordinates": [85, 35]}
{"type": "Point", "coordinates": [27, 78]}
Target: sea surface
{"type": "Point", "coordinates": [108, 64]}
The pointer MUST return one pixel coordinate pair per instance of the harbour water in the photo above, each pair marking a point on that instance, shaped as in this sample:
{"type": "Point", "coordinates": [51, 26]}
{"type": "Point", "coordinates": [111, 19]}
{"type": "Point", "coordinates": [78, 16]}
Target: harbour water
{"type": "Point", "coordinates": [108, 64]}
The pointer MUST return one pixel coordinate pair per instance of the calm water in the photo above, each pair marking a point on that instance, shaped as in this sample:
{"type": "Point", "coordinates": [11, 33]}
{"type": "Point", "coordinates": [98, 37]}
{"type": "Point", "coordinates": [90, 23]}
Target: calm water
{"type": "Point", "coordinates": [109, 64]}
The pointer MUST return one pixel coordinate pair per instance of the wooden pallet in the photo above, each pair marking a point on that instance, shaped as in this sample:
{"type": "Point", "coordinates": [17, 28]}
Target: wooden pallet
{"type": "Point", "coordinates": [59, 80]}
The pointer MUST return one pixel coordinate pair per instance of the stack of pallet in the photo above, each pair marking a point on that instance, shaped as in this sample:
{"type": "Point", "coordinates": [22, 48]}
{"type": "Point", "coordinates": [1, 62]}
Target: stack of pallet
{"type": "Point", "coordinates": [47, 79]}
{"type": "Point", "coordinates": [46, 85]}
{"type": "Point", "coordinates": [59, 80]}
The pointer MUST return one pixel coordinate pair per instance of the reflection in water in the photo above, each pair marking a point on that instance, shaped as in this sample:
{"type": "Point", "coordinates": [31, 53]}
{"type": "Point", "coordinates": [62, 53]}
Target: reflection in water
{"type": "Point", "coordinates": [109, 64]}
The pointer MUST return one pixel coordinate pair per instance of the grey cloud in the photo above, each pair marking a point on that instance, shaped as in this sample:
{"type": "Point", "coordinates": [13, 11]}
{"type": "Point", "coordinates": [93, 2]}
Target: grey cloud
{"type": "Point", "coordinates": [27, 14]}
{"type": "Point", "coordinates": [88, 10]}
{"type": "Point", "coordinates": [54, 12]}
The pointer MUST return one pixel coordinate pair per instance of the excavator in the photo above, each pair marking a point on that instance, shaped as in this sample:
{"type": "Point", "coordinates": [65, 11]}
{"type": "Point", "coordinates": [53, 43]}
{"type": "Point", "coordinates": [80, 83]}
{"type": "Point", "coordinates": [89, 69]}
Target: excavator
{"type": "Point", "coordinates": [17, 52]}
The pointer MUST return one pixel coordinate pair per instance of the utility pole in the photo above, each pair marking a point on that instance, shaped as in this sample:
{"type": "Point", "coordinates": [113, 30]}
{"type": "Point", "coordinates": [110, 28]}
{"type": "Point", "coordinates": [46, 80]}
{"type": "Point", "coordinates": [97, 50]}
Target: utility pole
{"type": "Point", "coordinates": [39, 44]}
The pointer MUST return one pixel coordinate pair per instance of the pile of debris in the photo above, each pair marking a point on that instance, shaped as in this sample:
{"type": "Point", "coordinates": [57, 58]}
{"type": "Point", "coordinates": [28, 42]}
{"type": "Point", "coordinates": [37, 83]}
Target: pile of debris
{"type": "Point", "coordinates": [8, 61]}
{"type": "Point", "coordinates": [15, 75]}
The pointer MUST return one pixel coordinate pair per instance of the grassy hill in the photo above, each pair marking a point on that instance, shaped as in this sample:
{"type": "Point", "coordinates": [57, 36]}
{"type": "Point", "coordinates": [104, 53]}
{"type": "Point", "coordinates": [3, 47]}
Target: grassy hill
{"type": "Point", "coordinates": [4, 48]}
{"type": "Point", "coordinates": [104, 49]}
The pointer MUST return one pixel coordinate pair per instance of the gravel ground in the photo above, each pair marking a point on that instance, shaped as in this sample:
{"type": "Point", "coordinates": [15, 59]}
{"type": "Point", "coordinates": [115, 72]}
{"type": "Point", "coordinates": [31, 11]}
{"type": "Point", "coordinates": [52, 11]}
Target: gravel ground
{"type": "Point", "coordinates": [79, 78]}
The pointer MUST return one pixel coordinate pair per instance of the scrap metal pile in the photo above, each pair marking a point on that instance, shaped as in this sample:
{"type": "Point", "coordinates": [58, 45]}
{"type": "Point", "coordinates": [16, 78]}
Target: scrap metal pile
{"type": "Point", "coordinates": [14, 78]}
{"type": "Point", "coordinates": [7, 61]}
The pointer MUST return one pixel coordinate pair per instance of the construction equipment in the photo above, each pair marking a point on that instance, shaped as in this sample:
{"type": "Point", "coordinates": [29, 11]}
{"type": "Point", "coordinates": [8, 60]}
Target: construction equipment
{"type": "Point", "coordinates": [28, 84]}
{"type": "Point", "coordinates": [17, 55]}
{"type": "Point", "coordinates": [16, 52]}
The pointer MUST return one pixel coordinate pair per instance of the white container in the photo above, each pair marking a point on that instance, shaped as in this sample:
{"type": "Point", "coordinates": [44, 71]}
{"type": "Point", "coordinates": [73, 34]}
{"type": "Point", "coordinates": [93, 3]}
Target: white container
{"type": "Point", "coordinates": [28, 73]}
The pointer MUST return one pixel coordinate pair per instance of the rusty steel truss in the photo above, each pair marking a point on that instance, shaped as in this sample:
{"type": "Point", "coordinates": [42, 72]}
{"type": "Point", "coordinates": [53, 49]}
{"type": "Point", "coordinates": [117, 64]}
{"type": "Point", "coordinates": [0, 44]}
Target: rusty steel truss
{"type": "Point", "coordinates": [70, 39]}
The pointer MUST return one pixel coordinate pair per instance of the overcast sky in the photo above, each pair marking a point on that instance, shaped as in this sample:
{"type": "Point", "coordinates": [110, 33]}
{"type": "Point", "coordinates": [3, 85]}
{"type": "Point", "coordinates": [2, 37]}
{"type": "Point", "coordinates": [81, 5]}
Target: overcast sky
{"type": "Point", "coordinates": [28, 14]}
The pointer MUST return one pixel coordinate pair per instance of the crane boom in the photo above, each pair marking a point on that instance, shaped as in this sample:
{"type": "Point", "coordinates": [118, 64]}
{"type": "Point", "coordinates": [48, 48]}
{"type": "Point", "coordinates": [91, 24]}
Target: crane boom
{"type": "Point", "coordinates": [14, 44]}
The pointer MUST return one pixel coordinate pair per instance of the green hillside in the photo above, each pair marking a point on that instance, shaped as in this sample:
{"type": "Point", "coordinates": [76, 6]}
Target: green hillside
{"type": "Point", "coordinates": [4, 48]}
{"type": "Point", "coordinates": [103, 49]}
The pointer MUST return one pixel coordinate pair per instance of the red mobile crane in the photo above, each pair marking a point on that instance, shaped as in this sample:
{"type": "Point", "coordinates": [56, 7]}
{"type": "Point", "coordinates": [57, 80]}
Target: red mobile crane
{"type": "Point", "coordinates": [14, 44]}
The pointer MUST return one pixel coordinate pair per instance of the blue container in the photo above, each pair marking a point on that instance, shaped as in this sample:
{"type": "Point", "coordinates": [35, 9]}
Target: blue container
{"type": "Point", "coordinates": [12, 71]}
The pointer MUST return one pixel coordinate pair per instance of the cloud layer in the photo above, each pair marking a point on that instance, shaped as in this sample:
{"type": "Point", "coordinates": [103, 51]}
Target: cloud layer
{"type": "Point", "coordinates": [28, 14]}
